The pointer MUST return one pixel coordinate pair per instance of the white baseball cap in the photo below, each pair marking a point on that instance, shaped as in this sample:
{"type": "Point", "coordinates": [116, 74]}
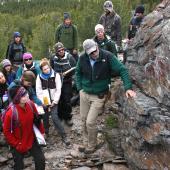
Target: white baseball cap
{"type": "Point", "coordinates": [89, 46]}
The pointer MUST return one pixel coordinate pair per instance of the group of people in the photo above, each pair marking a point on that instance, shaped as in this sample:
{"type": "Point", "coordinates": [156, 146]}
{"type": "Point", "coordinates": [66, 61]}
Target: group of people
{"type": "Point", "coordinates": [48, 84]}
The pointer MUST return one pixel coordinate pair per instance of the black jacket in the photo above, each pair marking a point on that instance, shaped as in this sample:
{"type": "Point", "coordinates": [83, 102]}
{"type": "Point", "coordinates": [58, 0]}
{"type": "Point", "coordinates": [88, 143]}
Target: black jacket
{"type": "Point", "coordinates": [61, 65]}
{"type": "Point", "coordinates": [15, 52]}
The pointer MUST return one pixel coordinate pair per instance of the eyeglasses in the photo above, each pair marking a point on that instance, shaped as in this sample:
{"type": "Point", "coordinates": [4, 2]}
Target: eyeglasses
{"type": "Point", "coordinates": [60, 50]}
{"type": "Point", "coordinates": [29, 59]}
{"type": "Point", "coordinates": [93, 52]}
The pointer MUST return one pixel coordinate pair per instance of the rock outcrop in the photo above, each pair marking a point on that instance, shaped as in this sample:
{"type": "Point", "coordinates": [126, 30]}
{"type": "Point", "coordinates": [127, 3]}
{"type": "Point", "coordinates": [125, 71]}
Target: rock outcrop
{"type": "Point", "coordinates": [145, 120]}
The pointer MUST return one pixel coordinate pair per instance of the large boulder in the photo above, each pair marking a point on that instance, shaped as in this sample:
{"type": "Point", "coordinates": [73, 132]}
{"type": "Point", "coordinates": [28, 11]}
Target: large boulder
{"type": "Point", "coordinates": [145, 120]}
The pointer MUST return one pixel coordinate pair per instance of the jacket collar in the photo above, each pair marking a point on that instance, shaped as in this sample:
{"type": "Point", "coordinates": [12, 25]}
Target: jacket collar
{"type": "Point", "coordinates": [98, 59]}
{"type": "Point", "coordinates": [63, 58]}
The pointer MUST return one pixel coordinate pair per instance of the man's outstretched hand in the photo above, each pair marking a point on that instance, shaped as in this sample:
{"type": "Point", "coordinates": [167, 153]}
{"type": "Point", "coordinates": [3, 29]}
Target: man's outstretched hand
{"type": "Point", "coordinates": [130, 93]}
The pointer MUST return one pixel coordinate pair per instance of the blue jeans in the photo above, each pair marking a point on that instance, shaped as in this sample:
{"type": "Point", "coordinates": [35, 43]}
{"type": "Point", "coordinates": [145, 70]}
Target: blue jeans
{"type": "Point", "coordinates": [57, 121]}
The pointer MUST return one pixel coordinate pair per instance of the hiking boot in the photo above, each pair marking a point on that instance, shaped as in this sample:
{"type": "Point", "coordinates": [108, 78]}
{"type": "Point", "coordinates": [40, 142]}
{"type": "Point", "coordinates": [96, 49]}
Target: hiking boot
{"type": "Point", "coordinates": [89, 150]}
{"type": "Point", "coordinates": [66, 141]}
{"type": "Point", "coordinates": [81, 148]}
{"type": "Point", "coordinates": [69, 122]}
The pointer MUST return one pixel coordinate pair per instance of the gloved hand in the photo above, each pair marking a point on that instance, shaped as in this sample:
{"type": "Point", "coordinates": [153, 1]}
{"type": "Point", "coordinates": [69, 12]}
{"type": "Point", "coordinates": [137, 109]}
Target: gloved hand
{"type": "Point", "coordinates": [45, 107]}
{"type": "Point", "coordinates": [52, 104]}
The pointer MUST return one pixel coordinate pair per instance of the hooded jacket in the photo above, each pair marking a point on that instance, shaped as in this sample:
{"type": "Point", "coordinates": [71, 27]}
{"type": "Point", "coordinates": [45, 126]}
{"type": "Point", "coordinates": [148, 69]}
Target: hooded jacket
{"type": "Point", "coordinates": [22, 137]}
{"type": "Point", "coordinates": [34, 68]}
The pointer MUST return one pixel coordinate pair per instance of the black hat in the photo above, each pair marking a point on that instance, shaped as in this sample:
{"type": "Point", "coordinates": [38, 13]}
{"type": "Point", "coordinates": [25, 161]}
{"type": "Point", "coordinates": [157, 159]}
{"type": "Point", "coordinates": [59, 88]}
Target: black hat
{"type": "Point", "coordinates": [67, 15]}
{"type": "Point", "coordinates": [140, 9]}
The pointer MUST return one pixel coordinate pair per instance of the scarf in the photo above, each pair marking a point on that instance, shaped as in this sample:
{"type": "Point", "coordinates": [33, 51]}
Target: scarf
{"type": "Point", "coordinates": [46, 76]}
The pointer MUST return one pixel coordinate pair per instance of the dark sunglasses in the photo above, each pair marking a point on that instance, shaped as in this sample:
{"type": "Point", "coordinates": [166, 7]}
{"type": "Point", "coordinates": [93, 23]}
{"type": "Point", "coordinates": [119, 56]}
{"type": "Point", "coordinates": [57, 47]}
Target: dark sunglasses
{"type": "Point", "coordinates": [93, 52]}
{"type": "Point", "coordinates": [60, 50]}
{"type": "Point", "coordinates": [108, 6]}
{"type": "Point", "coordinates": [29, 59]}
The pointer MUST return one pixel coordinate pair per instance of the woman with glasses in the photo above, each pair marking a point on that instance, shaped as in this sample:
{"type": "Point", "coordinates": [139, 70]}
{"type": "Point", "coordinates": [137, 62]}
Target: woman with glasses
{"type": "Point", "coordinates": [28, 64]}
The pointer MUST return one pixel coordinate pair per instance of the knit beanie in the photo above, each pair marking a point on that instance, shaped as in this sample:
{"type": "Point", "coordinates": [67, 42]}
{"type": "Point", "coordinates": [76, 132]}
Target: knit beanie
{"type": "Point", "coordinates": [5, 63]}
{"type": "Point", "coordinates": [27, 56]}
{"type": "Point", "coordinates": [58, 46]}
{"type": "Point", "coordinates": [99, 26]}
{"type": "Point", "coordinates": [28, 76]}
{"type": "Point", "coordinates": [16, 34]}
{"type": "Point", "coordinates": [140, 9]}
{"type": "Point", "coordinates": [67, 15]}
{"type": "Point", "coordinates": [16, 92]}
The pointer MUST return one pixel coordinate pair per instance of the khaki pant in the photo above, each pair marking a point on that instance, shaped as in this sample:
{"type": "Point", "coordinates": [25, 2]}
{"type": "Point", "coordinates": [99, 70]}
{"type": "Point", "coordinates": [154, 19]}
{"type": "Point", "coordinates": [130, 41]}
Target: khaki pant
{"type": "Point", "coordinates": [90, 107]}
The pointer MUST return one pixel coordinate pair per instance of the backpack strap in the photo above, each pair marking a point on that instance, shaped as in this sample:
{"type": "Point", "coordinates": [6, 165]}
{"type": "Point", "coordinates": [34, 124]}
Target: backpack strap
{"type": "Point", "coordinates": [37, 120]}
{"type": "Point", "coordinates": [31, 106]}
{"type": "Point", "coordinates": [12, 116]}
{"type": "Point", "coordinates": [15, 113]}
{"type": "Point", "coordinates": [60, 31]}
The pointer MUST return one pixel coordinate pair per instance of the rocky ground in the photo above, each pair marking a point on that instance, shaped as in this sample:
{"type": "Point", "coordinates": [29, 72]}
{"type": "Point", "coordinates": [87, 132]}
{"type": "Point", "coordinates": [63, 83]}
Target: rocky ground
{"type": "Point", "coordinates": [62, 157]}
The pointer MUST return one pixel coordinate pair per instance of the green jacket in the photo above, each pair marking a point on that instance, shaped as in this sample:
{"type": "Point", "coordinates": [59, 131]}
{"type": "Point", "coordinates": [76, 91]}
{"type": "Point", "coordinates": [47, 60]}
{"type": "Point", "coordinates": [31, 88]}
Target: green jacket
{"type": "Point", "coordinates": [96, 80]}
{"type": "Point", "coordinates": [67, 35]}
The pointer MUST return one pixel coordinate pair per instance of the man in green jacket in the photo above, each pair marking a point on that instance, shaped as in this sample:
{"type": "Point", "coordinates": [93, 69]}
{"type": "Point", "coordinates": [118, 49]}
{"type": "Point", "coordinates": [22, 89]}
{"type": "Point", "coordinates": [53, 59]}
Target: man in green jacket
{"type": "Point", "coordinates": [67, 34]}
{"type": "Point", "coordinates": [93, 76]}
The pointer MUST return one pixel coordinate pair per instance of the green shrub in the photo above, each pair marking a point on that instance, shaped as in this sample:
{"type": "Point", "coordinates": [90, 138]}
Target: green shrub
{"type": "Point", "coordinates": [111, 121]}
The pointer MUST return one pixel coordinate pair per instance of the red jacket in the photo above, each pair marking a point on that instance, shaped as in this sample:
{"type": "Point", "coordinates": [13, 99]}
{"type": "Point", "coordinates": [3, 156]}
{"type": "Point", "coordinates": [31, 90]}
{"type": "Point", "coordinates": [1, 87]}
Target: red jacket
{"type": "Point", "coordinates": [22, 137]}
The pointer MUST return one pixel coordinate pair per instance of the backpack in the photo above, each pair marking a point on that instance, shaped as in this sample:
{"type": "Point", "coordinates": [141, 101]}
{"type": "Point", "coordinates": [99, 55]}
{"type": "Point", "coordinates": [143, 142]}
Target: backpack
{"type": "Point", "coordinates": [10, 47]}
{"type": "Point", "coordinates": [60, 30]}
{"type": "Point", "coordinates": [14, 118]}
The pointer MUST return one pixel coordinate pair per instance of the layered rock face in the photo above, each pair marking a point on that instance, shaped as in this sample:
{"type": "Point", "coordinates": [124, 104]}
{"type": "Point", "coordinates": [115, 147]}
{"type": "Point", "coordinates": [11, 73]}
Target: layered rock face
{"type": "Point", "coordinates": [145, 120]}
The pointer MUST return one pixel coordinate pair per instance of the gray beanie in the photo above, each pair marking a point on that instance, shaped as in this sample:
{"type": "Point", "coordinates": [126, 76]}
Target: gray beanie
{"type": "Point", "coordinates": [58, 45]}
{"type": "Point", "coordinates": [5, 63]}
{"type": "Point", "coordinates": [67, 15]}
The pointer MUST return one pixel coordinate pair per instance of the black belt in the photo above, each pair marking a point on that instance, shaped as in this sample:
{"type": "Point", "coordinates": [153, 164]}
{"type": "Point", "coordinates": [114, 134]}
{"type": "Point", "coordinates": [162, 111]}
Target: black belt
{"type": "Point", "coordinates": [100, 95]}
